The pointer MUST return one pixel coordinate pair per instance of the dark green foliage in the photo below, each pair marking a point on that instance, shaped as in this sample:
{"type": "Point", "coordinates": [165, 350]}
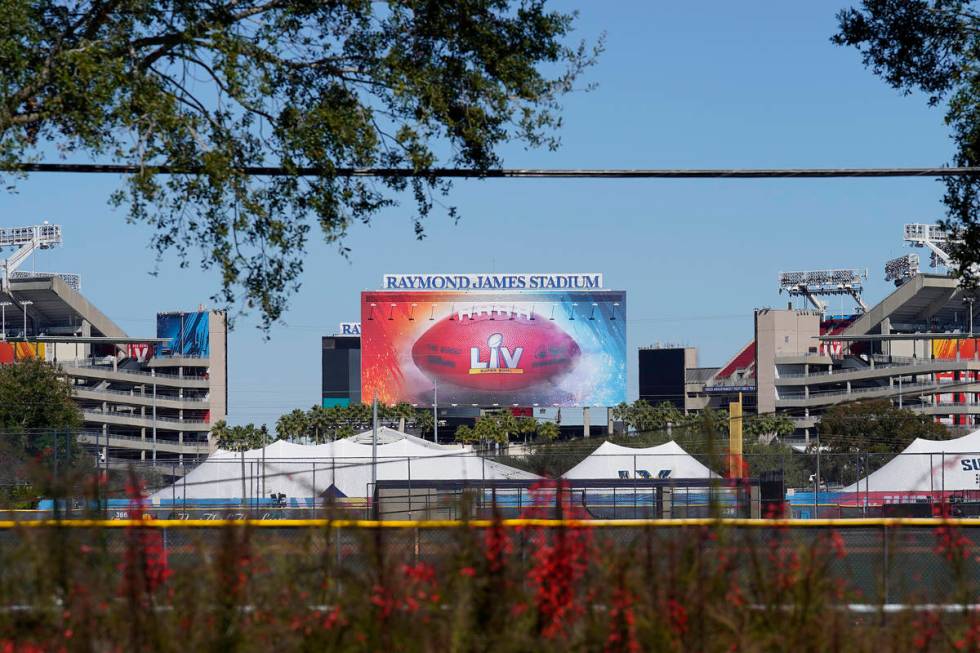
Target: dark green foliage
{"type": "Point", "coordinates": [860, 437]}
{"type": "Point", "coordinates": [210, 87]}
{"type": "Point", "coordinates": [875, 426]}
{"type": "Point", "coordinates": [319, 424]}
{"type": "Point", "coordinates": [240, 438]}
{"type": "Point", "coordinates": [35, 406]}
{"type": "Point", "coordinates": [500, 427]}
{"type": "Point", "coordinates": [766, 428]}
{"type": "Point", "coordinates": [934, 47]}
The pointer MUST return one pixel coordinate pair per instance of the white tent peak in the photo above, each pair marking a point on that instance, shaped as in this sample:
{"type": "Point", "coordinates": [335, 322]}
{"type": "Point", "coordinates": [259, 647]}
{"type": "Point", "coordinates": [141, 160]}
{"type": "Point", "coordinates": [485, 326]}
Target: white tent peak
{"type": "Point", "coordinates": [966, 443]}
{"type": "Point", "coordinates": [928, 466]}
{"type": "Point", "coordinates": [303, 471]}
{"type": "Point", "coordinates": [614, 461]}
{"type": "Point", "coordinates": [388, 435]}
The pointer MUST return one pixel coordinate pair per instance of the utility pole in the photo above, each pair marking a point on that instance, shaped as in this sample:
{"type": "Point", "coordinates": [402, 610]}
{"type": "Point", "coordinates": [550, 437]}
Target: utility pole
{"type": "Point", "coordinates": [735, 438]}
{"type": "Point", "coordinates": [374, 454]}
{"type": "Point", "coordinates": [3, 317]}
{"type": "Point", "coordinates": [153, 373]}
{"type": "Point", "coordinates": [435, 412]}
{"type": "Point", "coordinates": [969, 301]}
{"type": "Point", "coordinates": [25, 303]}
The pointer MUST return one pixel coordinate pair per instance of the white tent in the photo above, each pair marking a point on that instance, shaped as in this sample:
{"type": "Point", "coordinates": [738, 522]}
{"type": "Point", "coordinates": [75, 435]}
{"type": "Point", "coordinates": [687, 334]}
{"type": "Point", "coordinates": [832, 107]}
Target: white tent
{"type": "Point", "coordinates": [341, 468]}
{"type": "Point", "coordinates": [928, 466]}
{"type": "Point", "coordinates": [613, 461]}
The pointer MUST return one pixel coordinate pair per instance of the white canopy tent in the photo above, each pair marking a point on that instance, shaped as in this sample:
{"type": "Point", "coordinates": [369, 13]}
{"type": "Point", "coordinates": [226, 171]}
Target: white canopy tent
{"type": "Point", "coordinates": [928, 466]}
{"type": "Point", "coordinates": [613, 461]}
{"type": "Point", "coordinates": [341, 468]}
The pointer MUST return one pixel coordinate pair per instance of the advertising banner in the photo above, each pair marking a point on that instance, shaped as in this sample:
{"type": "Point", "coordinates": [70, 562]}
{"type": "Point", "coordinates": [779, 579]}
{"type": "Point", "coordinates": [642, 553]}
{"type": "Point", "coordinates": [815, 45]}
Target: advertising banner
{"type": "Point", "coordinates": [188, 334]}
{"type": "Point", "coordinates": [18, 351]}
{"type": "Point", "coordinates": [141, 351]}
{"type": "Point", "coordinates": [947, 348]}
{"type": "Point", "coordinates": [494, 348]}
{"type": "Point", "coordinates": [950, 349]}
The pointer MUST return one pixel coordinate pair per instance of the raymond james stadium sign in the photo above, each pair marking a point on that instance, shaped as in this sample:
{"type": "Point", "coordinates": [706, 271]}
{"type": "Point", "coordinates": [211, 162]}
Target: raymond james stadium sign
{"type": "Point", "coordinates": [493, 281]}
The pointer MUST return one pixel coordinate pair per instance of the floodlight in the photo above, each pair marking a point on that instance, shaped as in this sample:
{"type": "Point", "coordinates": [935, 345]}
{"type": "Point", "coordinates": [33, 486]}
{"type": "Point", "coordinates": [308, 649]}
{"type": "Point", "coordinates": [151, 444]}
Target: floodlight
{"type": "Point", "coordinates": [902, 269]}
{"type": "Point", "coordinates": [813, 283]}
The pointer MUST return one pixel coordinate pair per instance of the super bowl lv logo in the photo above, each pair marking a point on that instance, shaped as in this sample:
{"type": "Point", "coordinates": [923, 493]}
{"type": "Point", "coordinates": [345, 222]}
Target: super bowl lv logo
{"type": "Point", "coordinates": [498, 354]}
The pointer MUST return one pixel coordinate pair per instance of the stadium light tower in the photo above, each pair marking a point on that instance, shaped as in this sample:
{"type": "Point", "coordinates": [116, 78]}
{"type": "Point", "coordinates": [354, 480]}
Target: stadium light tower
{"type": "Point", "coordinates": [933, 238]}
{"type": "Point", "coordinates": [27, 240]}
{"type": "Point", "coordinates": [816, 283]}
{"type": "Point", "coordinates": [938, 241]}
{"type": "Point", "coordinates": [901, 269]}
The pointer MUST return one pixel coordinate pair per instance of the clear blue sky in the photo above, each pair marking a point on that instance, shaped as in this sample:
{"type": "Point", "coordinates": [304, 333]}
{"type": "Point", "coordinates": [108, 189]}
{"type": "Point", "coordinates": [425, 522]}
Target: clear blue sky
{"type": "Point", "coordinates": [680, 85]}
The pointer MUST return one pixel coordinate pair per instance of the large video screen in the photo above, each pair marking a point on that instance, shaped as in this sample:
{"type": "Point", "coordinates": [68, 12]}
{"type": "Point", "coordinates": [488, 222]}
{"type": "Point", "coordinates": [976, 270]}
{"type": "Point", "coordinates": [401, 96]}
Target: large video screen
{"type": "Point", "coordinates": [494, 348]}
{"type": "Point", "coordinates": [188, 334]}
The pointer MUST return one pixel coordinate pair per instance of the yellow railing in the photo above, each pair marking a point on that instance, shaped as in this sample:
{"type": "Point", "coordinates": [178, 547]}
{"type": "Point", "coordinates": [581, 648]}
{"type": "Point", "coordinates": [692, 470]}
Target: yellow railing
{"type": "Point", "coordinates": [485, 523]}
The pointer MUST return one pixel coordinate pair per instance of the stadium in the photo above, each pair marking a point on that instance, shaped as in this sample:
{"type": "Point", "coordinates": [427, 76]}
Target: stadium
{"type": "Point", "coordinates": [142, 398]}
{"type": "Point", "coordinates": [526, 344]}
{"type": "Point", "coordinates": [915, 348]}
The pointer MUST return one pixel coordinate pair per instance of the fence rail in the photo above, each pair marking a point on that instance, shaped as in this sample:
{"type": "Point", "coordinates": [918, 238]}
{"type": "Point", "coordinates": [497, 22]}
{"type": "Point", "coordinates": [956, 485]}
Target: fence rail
{"type": "Point", "coordinates": [192, 524]}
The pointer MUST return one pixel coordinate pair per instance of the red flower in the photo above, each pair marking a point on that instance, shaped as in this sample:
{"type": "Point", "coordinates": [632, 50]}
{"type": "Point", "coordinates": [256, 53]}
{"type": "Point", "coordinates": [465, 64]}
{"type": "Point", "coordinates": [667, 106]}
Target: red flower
{"type": "Point", "coordinates": [333, 618]}
{"type": "Point", "coordinates": [622, 635]}
{"type": "Point", "coordinates": [469, 572]}
{"type": "Point", "coordinates": [837, 542]}
{"type": "Point", "coordinates": [381, 598]}
{"type": "Point", "coordinates": [952, 544]}
{"type": "Point", "coordinates": [498, 547]}
{"type": "Point", "coordinates": [145, 568]}
{"type": "Point", "coordinates": [677, 616]}
{"type": "Point", "coordinates": [420, 572]}
{"type": "Point", "coordinates": [559, 565]}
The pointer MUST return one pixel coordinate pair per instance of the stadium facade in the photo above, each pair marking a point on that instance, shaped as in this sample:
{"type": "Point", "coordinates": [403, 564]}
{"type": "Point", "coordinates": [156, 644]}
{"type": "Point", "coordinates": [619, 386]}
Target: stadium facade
{"type": "Point", "coordinates": [915, 348]}
{"type": "Point", "coordinates": [341, 367]}
{"type": "Point", "coordinates": [141, 398]}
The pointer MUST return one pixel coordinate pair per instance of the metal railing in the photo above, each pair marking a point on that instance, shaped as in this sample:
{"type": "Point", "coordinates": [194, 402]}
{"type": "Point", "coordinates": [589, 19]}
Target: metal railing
{"type": "Point", "coordinates": [87, 412]}
{"type": "Point", "coordinates": [109, 368]}
{"type": "Point", "coordinates": [149, 396]}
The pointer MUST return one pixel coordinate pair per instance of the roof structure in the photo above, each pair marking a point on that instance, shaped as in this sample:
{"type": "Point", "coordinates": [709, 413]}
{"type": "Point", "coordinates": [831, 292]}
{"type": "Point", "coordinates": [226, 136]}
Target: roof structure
{"type": "Point", "coordinates": [342, 468]}
{"type": "Point", "coordinates": [56, 308]}
{"type": "Point", "coordinates": [614, 461]}
{"type": "Point", "coordinates": [927, 466]}
{"type": "Point", "coordinates": [922, 299]}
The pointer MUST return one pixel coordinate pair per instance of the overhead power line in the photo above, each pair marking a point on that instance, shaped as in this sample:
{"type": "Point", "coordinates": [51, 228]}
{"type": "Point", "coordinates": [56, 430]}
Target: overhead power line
{"type": "Point", "coordinates": [516, 173]}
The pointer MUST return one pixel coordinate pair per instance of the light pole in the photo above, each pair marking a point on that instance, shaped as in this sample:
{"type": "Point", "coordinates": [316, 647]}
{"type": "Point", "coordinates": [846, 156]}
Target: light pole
{"type": "Point", "coordinates": [969, 301]}
{"type": "Point", "coordinates": [435, 412]}
{"type": "Point", "coordinates": [25, 303]}
{"type": "Point", "coordinates": [3, 317]}
{"type": "Point", "coordinates": [153, 373]}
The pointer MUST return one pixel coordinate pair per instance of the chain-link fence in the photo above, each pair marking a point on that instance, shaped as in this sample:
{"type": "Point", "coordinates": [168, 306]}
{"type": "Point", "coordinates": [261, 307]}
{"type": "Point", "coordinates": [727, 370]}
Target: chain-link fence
{"type": "Point", "coordinates": [624, 485]}
{"type": "Point", "coordinates": [883, 562]}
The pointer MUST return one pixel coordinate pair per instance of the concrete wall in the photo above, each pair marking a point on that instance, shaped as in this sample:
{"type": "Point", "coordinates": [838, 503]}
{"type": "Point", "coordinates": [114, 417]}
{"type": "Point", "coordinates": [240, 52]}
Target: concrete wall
{"type": "Point", "coordinates": [218, 371]}
{"type": "Point", "coordinates": [780, 332]}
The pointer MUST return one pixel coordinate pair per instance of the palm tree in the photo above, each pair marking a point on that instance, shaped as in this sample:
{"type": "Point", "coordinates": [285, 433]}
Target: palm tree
{"type": "Point", "coordinates": [526, 426]}
{"type": "Point", "coordinates": [293, 426]}
{"type": "Point", "coordinates": [548, 431]}
{"type": "Point", "coordinates": [319, 420]}
{"type": "Point", "coordinates": [240, 438]}
{"type": "Point", "coordinates": [404, 412]}
{"type": "Point", "coordinates": [423, 422]}
{"type": "Point", "coordinates": [466, 434]}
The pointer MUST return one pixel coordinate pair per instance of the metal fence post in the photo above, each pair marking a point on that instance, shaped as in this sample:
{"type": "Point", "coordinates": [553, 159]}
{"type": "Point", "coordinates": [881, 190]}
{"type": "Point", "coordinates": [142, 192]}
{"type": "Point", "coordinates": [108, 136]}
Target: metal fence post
{"type": "Point", "coordinates": [635, 488]}
{"type": "Point", "coordinates": [884, 566]}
